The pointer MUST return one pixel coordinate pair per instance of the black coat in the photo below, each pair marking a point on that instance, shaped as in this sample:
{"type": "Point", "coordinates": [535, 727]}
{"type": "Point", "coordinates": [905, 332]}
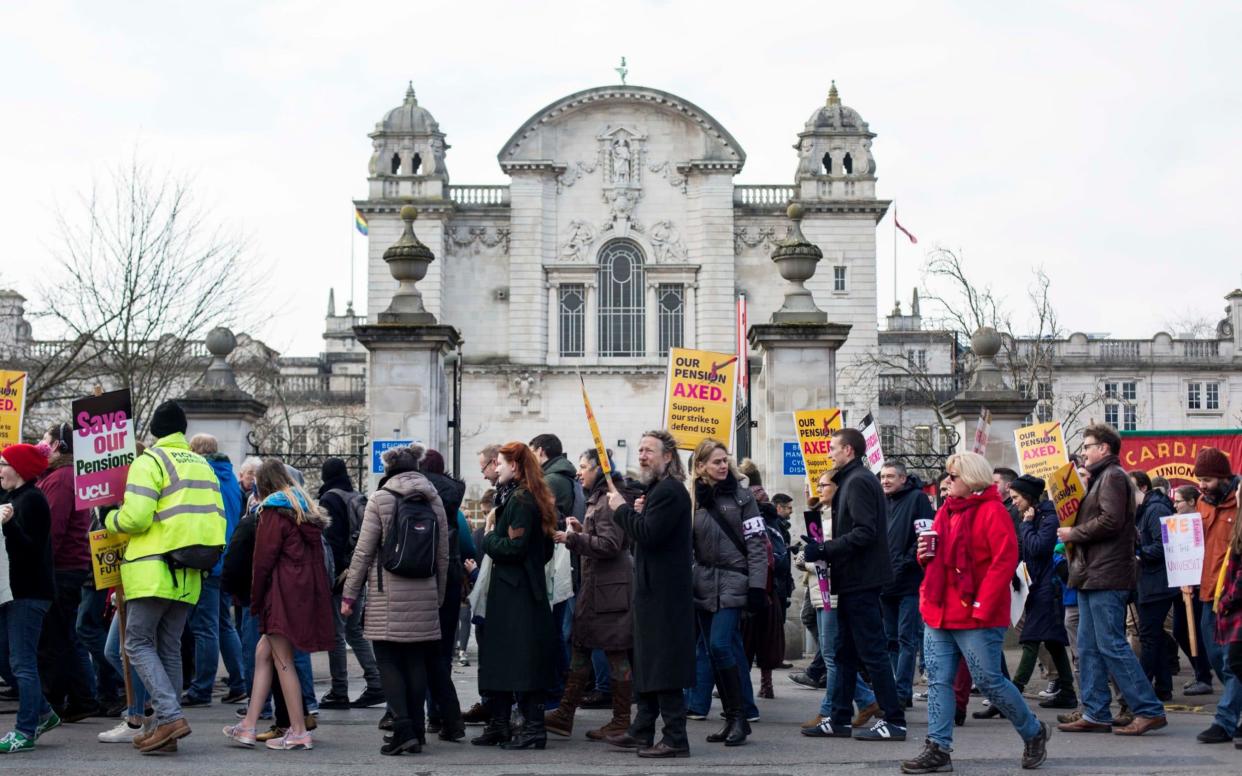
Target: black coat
{"type": "Point", "coordinates": [339, 530]}
{"type": "Point", "coordinates": [663, 588]}
{"type": "Point", "coordinates": [1153, 581]}
{"type": "Point", "coordinates": [28, 541]}
{"type": "Point", "coordinates": [238, 572]}
{"type": "Point", "coordinates": [909, 512]}
{"type": "Point", "coordinates": [519, 652]}
{"type": "Point", "coordinates": [858, 551]}
{"type": "Point", "coordinates": [1045, 614]}
{"type": "Point", "coordinates": [451, 492]}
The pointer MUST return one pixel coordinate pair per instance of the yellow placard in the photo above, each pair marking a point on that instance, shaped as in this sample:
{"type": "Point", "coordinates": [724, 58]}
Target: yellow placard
{"type": "Point", "coordinates": [107, 550]}
{"type": "Point", "coordinates": [815, 429]}
{"type": "Point", "coordinates": [1066, 490]}
{"type": "Point", "coordinates": [12, 406]}
{"type": "Point", "coordinates": [698, 403]}
{"type": "Point", "coordinates": [604, 464]}
{"type": "Point", "coordinates": [1041, 449]}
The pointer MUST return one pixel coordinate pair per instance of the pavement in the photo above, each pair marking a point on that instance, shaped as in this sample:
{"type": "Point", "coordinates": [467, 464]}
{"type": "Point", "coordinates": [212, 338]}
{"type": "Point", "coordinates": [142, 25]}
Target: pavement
{"type": "Point", "coordinates": [347, 742]}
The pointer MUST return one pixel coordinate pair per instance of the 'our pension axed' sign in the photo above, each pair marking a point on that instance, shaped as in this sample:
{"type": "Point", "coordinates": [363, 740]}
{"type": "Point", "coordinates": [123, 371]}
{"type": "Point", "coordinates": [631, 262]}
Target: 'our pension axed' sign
{"type": "Point", "coordinates": [698, 404]}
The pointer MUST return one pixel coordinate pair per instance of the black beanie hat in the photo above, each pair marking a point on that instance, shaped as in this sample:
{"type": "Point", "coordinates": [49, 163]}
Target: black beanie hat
{"type": "Point", "coordinates": [168, 418]}
{"type": "Point", "coordinates": [1030, 488]}
{"type": "Point", "coordinates": [332, 469]}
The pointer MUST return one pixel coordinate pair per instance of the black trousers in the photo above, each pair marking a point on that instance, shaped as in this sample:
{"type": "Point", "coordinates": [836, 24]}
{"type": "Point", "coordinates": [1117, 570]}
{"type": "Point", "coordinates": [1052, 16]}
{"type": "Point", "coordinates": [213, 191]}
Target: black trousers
{"type": "Point", "coordinates": [1155, 657]}
{"type": "Point", "coordinates": [861, 643]}
{"type": "Point", "coordinates": [1233, 656]}
{"type": "Point", "coordinates": [64, 662]}
{"type": "Point", "coordinates": [669, 704]}
{"type": "Point", "coordinates": [403, 668]}
{"type": "Point", "coordinates": [442, 699]}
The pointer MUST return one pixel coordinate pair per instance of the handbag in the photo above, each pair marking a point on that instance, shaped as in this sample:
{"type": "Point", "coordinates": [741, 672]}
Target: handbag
{"type": "Point", "coordinates": [478, 596]}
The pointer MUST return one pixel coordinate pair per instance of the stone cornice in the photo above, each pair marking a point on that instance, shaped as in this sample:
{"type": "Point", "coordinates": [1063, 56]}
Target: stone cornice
{"type": "Point", "coordinates": [793, 335]}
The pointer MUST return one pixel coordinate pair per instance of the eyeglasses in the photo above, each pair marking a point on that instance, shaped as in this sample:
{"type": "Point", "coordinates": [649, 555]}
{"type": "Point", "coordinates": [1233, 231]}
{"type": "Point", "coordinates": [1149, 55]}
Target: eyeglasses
{"type": "Point", "coordinates": [1090, 445]}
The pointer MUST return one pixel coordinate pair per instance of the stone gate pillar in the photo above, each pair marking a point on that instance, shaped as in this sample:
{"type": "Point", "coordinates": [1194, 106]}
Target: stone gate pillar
{"type": "Point", "coordinates": [217, 406]}
{"type": "Point", "coordinates": [988, 391]}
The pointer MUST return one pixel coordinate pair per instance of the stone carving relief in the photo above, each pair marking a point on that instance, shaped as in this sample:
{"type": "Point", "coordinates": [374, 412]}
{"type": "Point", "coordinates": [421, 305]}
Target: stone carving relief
{"type": "Point", "coordinates": [474, 239]}
{"type": "Point", "coordinates": [668, 171]}
{"type": "Point", "coordinates": [622, 151]}
{"type": "Point", "coordinates": [747, 237]}
{"type": "Point", "coordinates": [574, 173]}
{"type": "Point", "coordinates": [666, 243]}
{"type": "Point", "coordinates": [525, 393]}
{"type": "Point", "coordinates": [577, 247]}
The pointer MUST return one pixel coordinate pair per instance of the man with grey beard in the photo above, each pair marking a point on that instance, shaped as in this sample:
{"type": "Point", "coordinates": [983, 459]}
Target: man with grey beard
{"type": "Point", "coordinates": [659, 526]}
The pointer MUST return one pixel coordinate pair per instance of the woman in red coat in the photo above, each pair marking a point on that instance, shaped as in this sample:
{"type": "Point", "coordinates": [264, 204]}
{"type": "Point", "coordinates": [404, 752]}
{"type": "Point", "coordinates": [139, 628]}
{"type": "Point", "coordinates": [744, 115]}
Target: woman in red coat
{"type": "Point", "coordinates": [291, 597]}
{"type": "Point", "coordinates": [964, 601]}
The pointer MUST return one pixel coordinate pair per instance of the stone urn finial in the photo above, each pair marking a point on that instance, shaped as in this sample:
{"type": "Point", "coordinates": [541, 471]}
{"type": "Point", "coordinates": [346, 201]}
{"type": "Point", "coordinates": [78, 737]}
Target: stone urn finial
{"type": "Point", "coordinates": [219, 376]}
{"type": "Point", "coordinates": [985, 343]}
{"type": "Point", "coordinates": [408, 260]}
{"type": "Point", "coordinates": [796, 259]}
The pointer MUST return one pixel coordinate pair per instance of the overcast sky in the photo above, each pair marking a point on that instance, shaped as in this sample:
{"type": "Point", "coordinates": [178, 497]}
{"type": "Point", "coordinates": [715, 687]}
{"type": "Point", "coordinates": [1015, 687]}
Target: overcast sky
{"type": "Point", "coordinates": [1098, 139]}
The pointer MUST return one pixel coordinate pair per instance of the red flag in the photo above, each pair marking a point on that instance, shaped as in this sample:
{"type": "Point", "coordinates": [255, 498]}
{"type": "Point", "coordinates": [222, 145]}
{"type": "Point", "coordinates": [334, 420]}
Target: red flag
{"type": "Point", "coordinates": [904, 230]}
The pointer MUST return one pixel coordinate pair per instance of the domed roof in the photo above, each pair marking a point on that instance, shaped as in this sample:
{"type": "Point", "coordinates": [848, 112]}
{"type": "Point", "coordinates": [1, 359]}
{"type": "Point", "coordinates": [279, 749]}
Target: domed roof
{"type": "Point", "coordinates": [408, 117]}
{"type": "Point", "coordinates": [835, 117]}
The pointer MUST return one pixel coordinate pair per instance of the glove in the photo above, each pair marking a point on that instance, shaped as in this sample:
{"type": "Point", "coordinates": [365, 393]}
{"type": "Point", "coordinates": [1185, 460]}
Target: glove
{"type": "Point", "coordinates": [814, 551]}
{"type": "Point", "coordinates": [756, 600]}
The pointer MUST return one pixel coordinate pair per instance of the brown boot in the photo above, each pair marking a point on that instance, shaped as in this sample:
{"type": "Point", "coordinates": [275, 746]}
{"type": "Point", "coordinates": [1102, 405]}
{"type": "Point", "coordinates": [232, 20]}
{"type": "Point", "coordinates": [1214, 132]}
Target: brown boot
{"type": "Point", "coordinates": [169, 731]}
{"type": "Point", "coordinates": [765, 683]}
{"type": "Point", "coordinates": [560, 721]}
{"type": "Point", "coordinates": [620, 722]}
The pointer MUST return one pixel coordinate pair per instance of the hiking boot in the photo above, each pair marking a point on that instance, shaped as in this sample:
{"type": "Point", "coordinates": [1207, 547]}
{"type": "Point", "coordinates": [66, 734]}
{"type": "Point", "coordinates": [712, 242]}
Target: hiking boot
{"type": "Point", "coordinates": [169, 731]}
{"type": "Point", "coordinates": [561, 723]}
{"type": "Point", "coordinates": [478, 714]}
{"type": "Point", "coordinates": [1035, 751]}
{"type": "Point", "coordinates": [932, 760]}
{"type": "Point", "coordinates": [620, 722]}
{"type": "Point", "coordinates": [881, 730]}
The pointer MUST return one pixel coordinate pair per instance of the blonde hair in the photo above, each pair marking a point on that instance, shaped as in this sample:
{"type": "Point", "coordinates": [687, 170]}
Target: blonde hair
{"type": "Point", "coordinates": [972, 469]}
{"type": "Point", "coordinates": [702, 452]}
{"type": "Point", "coordinates": [204, 444]}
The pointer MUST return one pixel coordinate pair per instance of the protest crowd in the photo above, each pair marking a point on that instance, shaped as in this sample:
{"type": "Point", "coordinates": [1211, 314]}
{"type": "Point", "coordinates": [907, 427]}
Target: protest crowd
{"type": "Point", "coordinates": [586, 588]}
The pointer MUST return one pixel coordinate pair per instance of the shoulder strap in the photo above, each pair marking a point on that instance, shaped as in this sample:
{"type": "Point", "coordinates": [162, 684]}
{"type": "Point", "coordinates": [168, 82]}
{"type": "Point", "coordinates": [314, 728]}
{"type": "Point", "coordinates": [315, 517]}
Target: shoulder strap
{"type": "Point", "coordinates": [728, 530]}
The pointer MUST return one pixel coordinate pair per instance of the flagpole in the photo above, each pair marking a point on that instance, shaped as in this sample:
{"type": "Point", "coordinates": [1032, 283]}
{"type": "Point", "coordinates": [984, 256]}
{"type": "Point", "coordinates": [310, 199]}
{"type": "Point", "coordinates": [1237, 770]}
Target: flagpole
{"type": "Point", "coordinates": [352, 227]}
{"type": "Point", "coordinates": [895, 302]}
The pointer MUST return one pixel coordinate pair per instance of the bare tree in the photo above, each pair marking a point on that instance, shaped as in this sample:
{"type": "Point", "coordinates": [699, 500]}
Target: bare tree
{"type": "Point", "coordinates": [145, 273]}
{"type": "Point", "coordinates": [1190, 326]}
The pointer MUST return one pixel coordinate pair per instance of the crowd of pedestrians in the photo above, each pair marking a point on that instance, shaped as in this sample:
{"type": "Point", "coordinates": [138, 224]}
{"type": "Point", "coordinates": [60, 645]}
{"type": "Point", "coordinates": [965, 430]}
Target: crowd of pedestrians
{"type": "Point", "coordinates": [585, 588]}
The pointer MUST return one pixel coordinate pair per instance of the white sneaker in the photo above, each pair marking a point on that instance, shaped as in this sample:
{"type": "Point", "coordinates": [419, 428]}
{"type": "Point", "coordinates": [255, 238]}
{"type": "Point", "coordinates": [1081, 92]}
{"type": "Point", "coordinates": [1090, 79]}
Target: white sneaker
{"type": "Point", "coordinates": [123, 733]}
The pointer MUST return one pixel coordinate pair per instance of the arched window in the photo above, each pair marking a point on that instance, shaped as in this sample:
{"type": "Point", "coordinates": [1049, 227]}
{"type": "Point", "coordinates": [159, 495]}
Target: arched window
{"type": "Point", "coordinates": [848, 164]}
{"type": "Point", "coordinates": [396, 164]}
{"type": "Point", "coordinates": [621, 292]}
{"type": "Point", "coordinates": [416, 164]}
{"type": "Point", "coordinates": [828, 163]}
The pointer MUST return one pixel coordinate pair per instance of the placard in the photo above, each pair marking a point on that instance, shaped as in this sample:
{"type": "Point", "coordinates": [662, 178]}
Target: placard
{"type": "Point", "coordinates": [103, 448]}
{"type": "Point", "coordinates": [107, 551]}
{"type": "Point", "coordinates": [698, 401]}
{"type": "Point", "coordinates": [1041, 449]}
{"type": "Point", "coordinates": [815, 428]}
{"type": "Point", "coordinates": [1182, 536]}
{"type": "Point", "coordinates": [1066, 490]}
{"type": "Point", "coordinates": [12, 406]}
{"type": "Point", "coordinates": [982, 427]}
{"type": "Point", "coordinates": [604, 464]}
{"type": "Point", "coordinates": [871, 433]}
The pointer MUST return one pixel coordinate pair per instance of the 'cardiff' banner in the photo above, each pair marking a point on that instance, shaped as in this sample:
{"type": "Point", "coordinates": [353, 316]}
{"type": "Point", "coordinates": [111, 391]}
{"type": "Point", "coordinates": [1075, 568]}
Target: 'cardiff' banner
{"type": "Point", "coordinates": [1171, 454]}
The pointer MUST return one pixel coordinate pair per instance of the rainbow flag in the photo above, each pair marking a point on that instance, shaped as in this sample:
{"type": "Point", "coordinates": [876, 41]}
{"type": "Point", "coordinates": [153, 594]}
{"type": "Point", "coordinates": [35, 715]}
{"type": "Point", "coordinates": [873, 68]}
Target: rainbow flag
{"type": "Point", "coordinates": [360, 221]}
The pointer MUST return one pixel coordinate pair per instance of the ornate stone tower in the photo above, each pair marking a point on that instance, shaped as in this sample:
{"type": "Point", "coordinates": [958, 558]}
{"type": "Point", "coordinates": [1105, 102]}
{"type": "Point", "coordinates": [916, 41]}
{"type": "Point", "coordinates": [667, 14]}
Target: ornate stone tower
{"type": "Point", "coordinates": [834, 154]}
{"type": "Point", "coordinates": [408, 154]}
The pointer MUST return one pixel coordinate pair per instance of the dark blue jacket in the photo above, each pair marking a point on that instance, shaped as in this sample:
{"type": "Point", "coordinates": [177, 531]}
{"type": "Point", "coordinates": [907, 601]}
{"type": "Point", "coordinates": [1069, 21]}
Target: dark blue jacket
{"type": "Point", "coordinates": [857, 554]}
{"type": "Point", "coordinates": [1153, 581]}
{"type": "Point", "coordinates": [1045, 612]}
{"type": "Point", "coordinates": [909, 512]}
{"type": "Point", "coordinates": [231, 494]}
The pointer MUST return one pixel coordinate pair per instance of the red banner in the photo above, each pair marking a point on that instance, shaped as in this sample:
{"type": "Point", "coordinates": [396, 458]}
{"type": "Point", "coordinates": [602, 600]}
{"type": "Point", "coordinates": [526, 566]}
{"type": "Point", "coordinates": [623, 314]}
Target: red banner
{"type": "Point", "coordinates": [1171, 454]}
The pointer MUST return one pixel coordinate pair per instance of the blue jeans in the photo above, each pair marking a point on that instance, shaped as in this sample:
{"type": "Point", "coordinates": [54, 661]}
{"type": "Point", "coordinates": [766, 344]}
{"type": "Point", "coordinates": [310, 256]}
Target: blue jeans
{"type": "Point", "coordinates": [826, 619]}
{"type": "Point", "coordinates": [214, 635]}
{"type": "Point", "coordinates": [93, 633]}
{"type": "Point", "coordinates": [306, 678]}
{"type": "Point", "coordinates": [21, 622]}
{"type": "Point", "coordinates": [981, 647]}
{"type": "Point", "coordinates": [112, 651]}
{"type": "Point", "coordinates": [901, 626]}
{"type": "Point", "coordinates": [1230, 703]}
{"type": "Point", "coordinates": [249, 636]}
{"type": "Point", "coordinates": [1103, 651]}
{"type": "Point", "coordinates": [713, 626]}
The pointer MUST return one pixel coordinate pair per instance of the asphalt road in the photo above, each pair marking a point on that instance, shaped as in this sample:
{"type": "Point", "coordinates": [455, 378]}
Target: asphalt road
{"type": "Point", "coordinates": [347, 742]}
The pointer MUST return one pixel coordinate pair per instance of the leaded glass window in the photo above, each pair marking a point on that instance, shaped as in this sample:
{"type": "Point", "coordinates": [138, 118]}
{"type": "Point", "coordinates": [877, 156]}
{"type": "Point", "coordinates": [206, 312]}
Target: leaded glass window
{"type": "Point", "coordinates": [573, 320]}
{"type": "Point", "coordinates": [621, 289]}
{"type": "Point", "coordinates": [671, 298]}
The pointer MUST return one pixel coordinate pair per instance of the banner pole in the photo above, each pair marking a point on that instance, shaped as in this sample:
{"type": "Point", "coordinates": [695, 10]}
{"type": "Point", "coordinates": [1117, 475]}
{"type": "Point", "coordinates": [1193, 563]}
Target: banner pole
{"type": "Point", "coordinates": [1190, 624]}
{"type": "Point", "coordinates": [120, 612]}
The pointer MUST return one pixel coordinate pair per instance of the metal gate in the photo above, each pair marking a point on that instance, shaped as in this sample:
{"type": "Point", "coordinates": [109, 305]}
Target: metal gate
{"type": "Point", "coordinates": [310, 464]}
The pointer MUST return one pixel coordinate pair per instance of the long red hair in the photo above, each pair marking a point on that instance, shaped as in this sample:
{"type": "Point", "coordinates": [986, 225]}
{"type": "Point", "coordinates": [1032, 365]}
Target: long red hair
{"type": "Point", "coordinates": [529, 474]}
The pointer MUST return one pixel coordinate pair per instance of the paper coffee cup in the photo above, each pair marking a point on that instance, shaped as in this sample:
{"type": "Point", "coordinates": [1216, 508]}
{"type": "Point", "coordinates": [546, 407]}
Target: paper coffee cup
{"type": "Point", "coordinates": [930, 539]}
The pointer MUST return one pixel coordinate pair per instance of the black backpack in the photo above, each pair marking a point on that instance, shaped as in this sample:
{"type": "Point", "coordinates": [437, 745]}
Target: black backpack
{"type": "Point", "coordinates": [409, 549]}
{"type": "Point", "coordinates": [356, 509]}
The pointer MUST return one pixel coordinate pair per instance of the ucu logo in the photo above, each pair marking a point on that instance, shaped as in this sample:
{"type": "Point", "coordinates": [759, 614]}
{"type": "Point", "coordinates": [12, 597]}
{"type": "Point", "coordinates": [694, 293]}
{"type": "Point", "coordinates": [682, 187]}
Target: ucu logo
{"type": "Point", "coordinates": [92, 492]}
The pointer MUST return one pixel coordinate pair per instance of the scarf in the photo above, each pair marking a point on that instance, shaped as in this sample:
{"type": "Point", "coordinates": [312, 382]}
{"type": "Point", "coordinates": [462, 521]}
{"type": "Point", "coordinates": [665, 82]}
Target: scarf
{"type": "Point", "coordinates": [504, 492]}
{"type": "Point", "coordinates": [954, 555]}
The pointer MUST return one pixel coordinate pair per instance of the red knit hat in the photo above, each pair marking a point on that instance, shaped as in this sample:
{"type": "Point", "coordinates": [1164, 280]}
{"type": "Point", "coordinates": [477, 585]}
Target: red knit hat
{"type": "Point", "coordinates": [1211, 462]}
{"type": "Point", "coordinates": [28, 460]}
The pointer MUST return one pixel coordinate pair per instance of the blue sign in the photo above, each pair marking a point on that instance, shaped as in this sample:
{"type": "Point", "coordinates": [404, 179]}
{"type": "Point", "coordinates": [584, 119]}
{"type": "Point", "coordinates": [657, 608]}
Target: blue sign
{"type": "Point", "coordinates": [794, 466]}
{"type": "Point", "coordinates": [378, 446]}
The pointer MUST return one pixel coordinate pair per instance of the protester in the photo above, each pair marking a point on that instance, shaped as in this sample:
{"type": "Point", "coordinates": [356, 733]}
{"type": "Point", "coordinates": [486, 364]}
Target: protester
{"type": "Point", "coordinates": [1228, 602]}
{"type": "Point", "coordinates": [860, 564]}
{"type": "Point", "coordinates": [965, 605]}
{"type": "Point", "coordinates": [820, 726]}
{"type": "Point", "coordinates": [480, 713]}
{"type": "Point", "coordinates": [560, 476]}
{"type": "Point", "coordinates": [1155, 597]}
{"type": "Point", "coordinates": [211, 622]}
{"type": "Point", "coordinates": [1102, 568]}
{"type": "Point", "coordinates": [291, 597]}
{"type": "Point", "coordinates": [1002, 478]}
{"type": "Point", "coordinates": [909, 513]}
{"type": "Point", "coordinates": [171, 482]}
{"type": "Point", "coordinates": [26, 520]}
{"type": "Point", "coordinates": [1186, 501]}
{"type": "Point", "coordinates": [518, 658]}
{"type": "Point", "coordinates": [763, 633]}
{"type": "Point", "coordinates": [1218, 506]}
{"type": "Point", "coordinates": [451, 491]}
{"type": "Point", "coordinates": [403, 612]}
{"type": "Point", "coordinates": [1044, 612]}
{"type": "Point", "coordinates": [602, 615]}
{"type": "Point", "coordinates": [659, 524]}
{"type": "Point", "coordinates": [345, 508]}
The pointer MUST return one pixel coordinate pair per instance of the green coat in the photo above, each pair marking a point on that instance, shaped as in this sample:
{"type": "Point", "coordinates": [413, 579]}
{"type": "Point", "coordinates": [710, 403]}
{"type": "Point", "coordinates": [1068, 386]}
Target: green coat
{"type": "Point", "coordinates": [518, 654]}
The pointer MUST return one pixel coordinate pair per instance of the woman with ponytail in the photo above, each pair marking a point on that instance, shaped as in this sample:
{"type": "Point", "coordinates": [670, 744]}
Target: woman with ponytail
{"type": "Point", "coordinates": [523, 662]}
